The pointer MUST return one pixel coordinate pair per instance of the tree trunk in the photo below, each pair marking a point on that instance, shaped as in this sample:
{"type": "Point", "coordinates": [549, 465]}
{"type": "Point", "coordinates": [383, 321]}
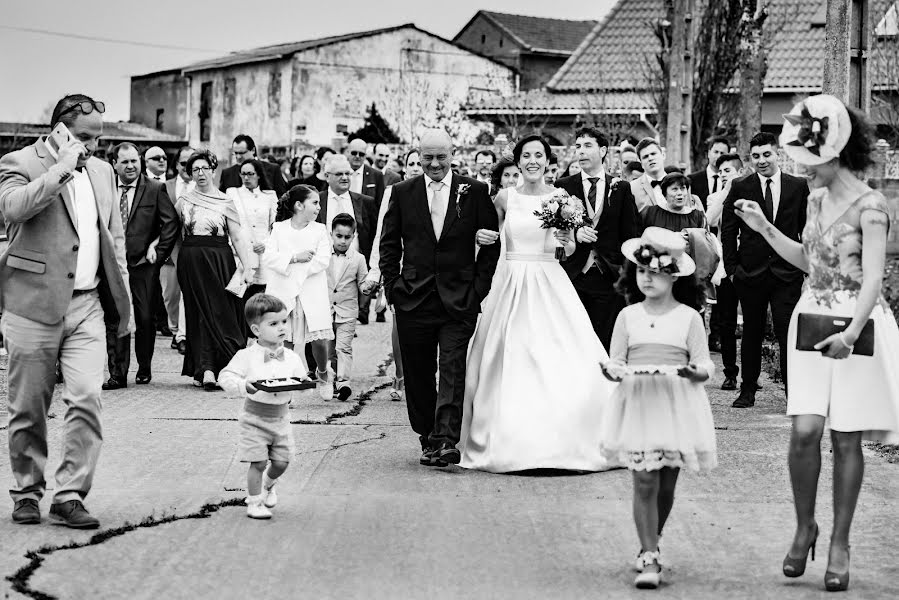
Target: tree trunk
{"type": "Point", "coordinates": [753, 67]}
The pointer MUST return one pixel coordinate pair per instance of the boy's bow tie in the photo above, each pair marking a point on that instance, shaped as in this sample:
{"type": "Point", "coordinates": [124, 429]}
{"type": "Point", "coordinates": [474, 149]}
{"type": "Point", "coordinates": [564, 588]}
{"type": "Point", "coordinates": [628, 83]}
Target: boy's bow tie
{"type": "Point", "coordinates": [274, 354]}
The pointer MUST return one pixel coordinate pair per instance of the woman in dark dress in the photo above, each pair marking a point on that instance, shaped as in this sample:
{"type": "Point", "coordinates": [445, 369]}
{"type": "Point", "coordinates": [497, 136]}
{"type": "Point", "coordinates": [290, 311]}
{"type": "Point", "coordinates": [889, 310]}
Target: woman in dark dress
{"type": "Point", "coordinates": [214, 317]}
{"type": "Point", "coordinates": [680, 212]}
{"type": "Point", "coordinates": [307, 174]}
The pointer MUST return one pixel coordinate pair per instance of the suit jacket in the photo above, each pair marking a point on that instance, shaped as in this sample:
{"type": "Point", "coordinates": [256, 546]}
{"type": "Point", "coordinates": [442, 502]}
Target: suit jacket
{"type": "Point", "coordinates": [699, 186]}
{"type": "Point", "coordinates": [448, 265]}
{"type": "Point", "coordinates": [231, 178]}
{"type": "Point", "coordinates": [391, 177]}
{"type": "Point", "coordinates": [618, 222]}
{"type": "Point", "coordinates": [152, 216]}
{"type": "Point", "coordinates": [344, 288]}
{"type": "Point", "coordinates": [37, 270]}
{"type": "Point", "coordinates": [366, 214]}
{"type": "Point", "coordinates": [373, 183]}
{"type": "Point", "coordinates": [747, 256]}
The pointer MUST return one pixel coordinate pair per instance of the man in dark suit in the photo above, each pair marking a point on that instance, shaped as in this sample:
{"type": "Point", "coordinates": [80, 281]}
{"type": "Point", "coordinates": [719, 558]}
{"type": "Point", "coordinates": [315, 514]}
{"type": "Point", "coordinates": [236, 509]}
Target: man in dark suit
{"type": "Point", "coordinates": [429, 229]}
{"type": "Point", "coordinates": [339, 199]}
{"type": "Point", "coordinates": [242, 148]}
{"type": "Point", "coordinates": [760, 276]}
{"type": "Point", "coordinates": [147, 215]}
{"type": "Point", "coordinates": [368, 181]}
{"type": "Point", "coordinates": [613, 218]}
{"type": "Point", "coordinates": [706, 181]}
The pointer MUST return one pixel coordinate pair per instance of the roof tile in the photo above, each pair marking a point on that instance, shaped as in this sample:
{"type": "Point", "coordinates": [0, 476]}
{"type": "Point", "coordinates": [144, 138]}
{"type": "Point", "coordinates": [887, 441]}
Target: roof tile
{"type": "Point", "coordinates": [539, 33]}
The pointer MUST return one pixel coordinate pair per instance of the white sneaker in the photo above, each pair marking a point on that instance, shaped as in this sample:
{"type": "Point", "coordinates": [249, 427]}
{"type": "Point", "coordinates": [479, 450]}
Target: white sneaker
{"type": "Point", "coordinates": [256, 509]}
{"type": "Point", "coordinates": [270, 496]}
{"type": "Point", "coordinates": [649, 578]}
{"type": "Point", "coordinates": [325, 386]}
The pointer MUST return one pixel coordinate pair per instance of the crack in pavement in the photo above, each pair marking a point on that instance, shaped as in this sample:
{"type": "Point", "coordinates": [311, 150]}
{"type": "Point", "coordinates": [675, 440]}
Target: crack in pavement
{"type": "Point", "coordinates": [21, 579]}
{"type": "Point", "coordinates": [381, 436]}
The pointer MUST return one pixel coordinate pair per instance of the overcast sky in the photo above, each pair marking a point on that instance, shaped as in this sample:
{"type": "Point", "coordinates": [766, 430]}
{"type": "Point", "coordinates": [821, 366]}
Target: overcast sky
{"type": "Point", "coordinates": [36, 69]}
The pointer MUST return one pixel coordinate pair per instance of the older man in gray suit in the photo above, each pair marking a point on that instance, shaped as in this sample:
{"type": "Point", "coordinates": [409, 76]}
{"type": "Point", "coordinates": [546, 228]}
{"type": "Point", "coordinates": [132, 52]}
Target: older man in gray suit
{"type": "Point", "coordinates": [63, 273]}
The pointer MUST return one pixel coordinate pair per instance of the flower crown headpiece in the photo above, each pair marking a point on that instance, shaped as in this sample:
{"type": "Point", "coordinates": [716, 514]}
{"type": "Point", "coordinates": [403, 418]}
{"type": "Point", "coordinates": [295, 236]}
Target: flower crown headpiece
{"type": "Point", "coordinates": [812, 133]}
{"type": "Point", "coordinates": [816, 130]}
{"type": "Point", "coordinates": [649, 257]}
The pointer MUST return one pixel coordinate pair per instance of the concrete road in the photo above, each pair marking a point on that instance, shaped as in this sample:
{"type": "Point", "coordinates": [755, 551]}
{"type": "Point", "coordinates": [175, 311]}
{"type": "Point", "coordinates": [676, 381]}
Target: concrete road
{"type": "Point", "coordinates": [359, 518]}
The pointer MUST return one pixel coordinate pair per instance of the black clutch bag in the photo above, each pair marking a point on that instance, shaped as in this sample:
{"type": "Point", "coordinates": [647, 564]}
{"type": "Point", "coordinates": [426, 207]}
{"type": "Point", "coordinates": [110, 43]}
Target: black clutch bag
{"type": "Point", "coordinates": [813, 328]}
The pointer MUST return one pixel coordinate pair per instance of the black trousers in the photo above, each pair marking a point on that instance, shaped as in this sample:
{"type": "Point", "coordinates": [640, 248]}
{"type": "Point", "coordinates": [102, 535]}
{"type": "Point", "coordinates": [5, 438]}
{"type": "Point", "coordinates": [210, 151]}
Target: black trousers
{"type": "Point", "coordinates": [723, 325]}
{"type": "Point", "coordinates": [601, 301]}
{"type": "Point", "coordinates": [144, 283]}
{"type": "Point", "coordinates": [755, 298]}
{"type": "Point", "coordinates": [430, 335]}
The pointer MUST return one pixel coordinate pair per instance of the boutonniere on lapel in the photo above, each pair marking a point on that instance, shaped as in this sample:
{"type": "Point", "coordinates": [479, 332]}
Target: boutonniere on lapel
{"type": "Point", "coordinates": [461, 191]}
{"type": "Point", "coordinates": [615, 185]}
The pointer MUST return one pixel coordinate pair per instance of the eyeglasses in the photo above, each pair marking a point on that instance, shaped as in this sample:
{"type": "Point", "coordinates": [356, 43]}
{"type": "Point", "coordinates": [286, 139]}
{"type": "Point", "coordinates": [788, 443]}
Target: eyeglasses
{"type": "Point", "coordinates": [197, 170]}
{"type": "Point", "coordinates": [87, 107]}
{"type": "Point", "coordinates": [160, 157]}
{"type": "Point", "coordinates": [248, 174]}
{"type": "Point", "coordinates": [357, 153]}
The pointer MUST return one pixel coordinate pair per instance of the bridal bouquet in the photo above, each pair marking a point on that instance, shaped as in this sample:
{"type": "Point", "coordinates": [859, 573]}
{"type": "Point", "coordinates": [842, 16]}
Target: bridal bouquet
{"type": "Point", "coordinates": [560, 211]}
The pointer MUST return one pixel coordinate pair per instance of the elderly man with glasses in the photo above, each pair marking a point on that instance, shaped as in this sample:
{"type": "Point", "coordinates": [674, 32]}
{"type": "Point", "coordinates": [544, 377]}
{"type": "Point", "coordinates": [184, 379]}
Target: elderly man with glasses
{"type": "Point", "coordinates": [63, 274]}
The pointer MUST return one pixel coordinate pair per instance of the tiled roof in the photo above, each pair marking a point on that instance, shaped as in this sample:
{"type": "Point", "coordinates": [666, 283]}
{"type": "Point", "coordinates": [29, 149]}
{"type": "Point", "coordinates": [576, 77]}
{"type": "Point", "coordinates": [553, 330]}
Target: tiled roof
{"type": "Point", "coordinates": [541, 34]}
{"type": "Point", "coordinates": [543, 102]}
{"type": "Point", "coordinates": [118, 131]}
{"type": "Point", "coordinates": [614, 55]}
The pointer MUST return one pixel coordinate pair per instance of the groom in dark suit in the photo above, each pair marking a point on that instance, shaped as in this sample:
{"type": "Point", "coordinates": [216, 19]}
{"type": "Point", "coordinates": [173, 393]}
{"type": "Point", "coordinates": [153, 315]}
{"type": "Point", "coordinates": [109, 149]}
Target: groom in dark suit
{"type": "Point", "coordinates": [760, 276]}
{"type": "Point", "coordinates": [430, 228]}
{"type": "Point", "coordinates": [612, 218]}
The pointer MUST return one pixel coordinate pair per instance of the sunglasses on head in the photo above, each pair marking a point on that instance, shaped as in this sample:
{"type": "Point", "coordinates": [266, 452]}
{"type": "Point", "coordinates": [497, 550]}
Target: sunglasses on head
{"type": "Point", "coordinates": [86, 107]}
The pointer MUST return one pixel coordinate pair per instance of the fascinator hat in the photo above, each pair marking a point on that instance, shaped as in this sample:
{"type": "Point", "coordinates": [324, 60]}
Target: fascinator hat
{"type": "Point", "coordinates": [816, 130]}
{"type": "Point", "coordinates": [661, 251]}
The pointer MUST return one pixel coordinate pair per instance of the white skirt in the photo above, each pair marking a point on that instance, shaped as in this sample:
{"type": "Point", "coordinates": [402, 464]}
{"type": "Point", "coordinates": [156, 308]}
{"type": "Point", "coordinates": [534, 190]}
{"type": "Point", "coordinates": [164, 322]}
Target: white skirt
{"type": "Point", "coordinates": [860, 393]}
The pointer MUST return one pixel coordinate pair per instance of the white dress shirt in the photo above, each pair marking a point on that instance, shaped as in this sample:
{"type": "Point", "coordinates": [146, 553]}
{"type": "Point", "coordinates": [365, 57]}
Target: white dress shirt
{"type": "Point", "coordinates": [87, 218]}
{"type": "Point", "coordinates": [341, 204]}
{"type": "Point", "coordinates": [444, 191]}
{"type": "Point", "coordinates": [775, 190]}
{"type": "Point", "coordinates": [182, 187]}
{"type": "Point", "coordinates": [356, 180]}
{"type": "Point", "coordinates": [160, 178]}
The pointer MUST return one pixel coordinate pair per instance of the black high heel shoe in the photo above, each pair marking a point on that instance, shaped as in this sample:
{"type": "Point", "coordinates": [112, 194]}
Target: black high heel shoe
{"type": "Point", "coordinates": [795, 567]}
{"type": "Point", "coordinates": [837, 582]}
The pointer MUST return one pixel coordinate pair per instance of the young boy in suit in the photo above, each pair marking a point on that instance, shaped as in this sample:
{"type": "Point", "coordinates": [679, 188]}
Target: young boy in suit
{"type": "Point", "coordinates": [346, 274]}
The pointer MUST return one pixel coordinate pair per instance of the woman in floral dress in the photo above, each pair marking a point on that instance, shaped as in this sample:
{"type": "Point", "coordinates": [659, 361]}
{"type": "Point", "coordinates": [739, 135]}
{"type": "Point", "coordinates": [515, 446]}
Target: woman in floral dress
{"type": "Point", "coordinates": [214, 317]}
{"type": "Point", "coordinates": [843, 250]}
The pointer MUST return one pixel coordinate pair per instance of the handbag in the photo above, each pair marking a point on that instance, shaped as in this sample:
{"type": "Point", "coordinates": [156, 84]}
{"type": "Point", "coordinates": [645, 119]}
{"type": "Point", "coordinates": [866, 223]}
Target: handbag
{"type": "Point", "coordinates": [381, 300]}
{"type": "Point", "coordinates": [813, 328]}
{"type": "Point", "coordinates": [237, 285]}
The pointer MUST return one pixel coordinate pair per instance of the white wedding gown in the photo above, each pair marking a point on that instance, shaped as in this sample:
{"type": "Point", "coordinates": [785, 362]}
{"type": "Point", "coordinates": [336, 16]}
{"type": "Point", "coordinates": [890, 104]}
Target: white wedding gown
{"type": "Point", "coordinates": [534, 391]}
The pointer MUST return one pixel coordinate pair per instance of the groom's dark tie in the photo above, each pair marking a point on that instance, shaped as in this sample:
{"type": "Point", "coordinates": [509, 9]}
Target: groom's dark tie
{"type": "Point", "coordinates": [591, 195]}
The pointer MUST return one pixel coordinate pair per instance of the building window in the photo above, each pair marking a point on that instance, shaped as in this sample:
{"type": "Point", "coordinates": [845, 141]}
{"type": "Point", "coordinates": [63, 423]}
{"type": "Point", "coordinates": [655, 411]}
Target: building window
{"type": "Point", "coordinates": [341, 128]}
{"type": "Point", "coordinates": [160, 116]}
{"type": "Point", "coordinates": [205, 111]}
{"type": "Point", "coordinates": [274, 94]}
{"type": "Point", "coordinates": [500, 42]}
{"type": "Point", "coordinates": [483, 38]}
{"type": "Point", "coordinates": [228, 98]}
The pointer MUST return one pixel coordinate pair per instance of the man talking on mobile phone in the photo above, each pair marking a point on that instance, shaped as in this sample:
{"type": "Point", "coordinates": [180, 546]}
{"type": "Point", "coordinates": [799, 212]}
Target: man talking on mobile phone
{"type": "Point", "coordinates": [62, 276]}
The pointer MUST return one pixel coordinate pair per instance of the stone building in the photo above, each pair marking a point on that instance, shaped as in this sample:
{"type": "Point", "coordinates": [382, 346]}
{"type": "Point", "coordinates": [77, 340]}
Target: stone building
{"type": "Point", "coordinates": [536, 47]}
{"type": "Point", "coordinates": [291, 96]}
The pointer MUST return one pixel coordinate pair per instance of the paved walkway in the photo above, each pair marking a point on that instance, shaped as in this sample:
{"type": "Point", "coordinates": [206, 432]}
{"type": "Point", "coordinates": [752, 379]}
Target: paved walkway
{"type": "Point", "coordinates": [359, 518]}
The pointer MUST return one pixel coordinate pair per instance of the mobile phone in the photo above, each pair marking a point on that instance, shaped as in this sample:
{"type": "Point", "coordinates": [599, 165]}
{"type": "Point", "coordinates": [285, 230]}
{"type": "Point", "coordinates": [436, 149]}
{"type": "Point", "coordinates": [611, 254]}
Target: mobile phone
{"type": "Point", "coordinates": [58, 137]}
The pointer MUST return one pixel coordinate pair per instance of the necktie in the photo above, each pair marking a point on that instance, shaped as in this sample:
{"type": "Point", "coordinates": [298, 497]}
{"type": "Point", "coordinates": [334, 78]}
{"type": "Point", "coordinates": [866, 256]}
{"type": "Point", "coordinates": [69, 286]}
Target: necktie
{"type": "Point", "coordinates": [274, 355]}
{"type": "Point", "coordinates": [438, 207]}
{"type": "Point", "coordinates": [769, 201]}
{"type": "Point", "coordinates": [123, 205]}
{"type": "Point", "coordinates": [591, 195]}
{"type": "Point", "coordinates": [714, 183]}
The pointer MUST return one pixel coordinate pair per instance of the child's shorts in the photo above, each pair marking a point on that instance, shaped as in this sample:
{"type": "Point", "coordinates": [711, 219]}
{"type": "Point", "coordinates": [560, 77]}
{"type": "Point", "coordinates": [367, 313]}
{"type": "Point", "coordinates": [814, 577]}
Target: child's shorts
{"type": "Point", "coordinates": [265, 433]}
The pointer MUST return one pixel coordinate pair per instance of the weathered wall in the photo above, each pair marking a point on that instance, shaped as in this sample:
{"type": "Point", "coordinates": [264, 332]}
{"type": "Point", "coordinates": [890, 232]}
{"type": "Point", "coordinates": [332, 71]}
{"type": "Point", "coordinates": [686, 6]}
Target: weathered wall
{"type": "Point", "coordinates": [245, 99]}
{"type": "Point", "coordinates": [167, 91]}
{"type": "Point", "coordinates": [406, 73]}
{"type": "Point", "coordinates": [496, 43]}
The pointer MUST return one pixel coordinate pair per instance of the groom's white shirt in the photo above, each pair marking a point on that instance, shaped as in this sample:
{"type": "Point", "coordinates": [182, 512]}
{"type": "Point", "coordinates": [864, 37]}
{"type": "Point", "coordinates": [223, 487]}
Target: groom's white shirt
{"type": "Point", "coordinates": [444, 191]}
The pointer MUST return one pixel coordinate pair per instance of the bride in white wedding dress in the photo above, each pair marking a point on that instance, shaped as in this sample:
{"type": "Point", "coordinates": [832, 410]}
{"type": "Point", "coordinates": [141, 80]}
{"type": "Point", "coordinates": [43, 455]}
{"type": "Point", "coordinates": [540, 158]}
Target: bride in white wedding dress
{"type": "Point", "coordinates": [534, 391]}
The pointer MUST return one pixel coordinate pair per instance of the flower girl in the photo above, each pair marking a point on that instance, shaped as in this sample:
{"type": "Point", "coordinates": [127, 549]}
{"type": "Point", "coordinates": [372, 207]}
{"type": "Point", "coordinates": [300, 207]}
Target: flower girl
{"type": "Point", "coordinates": [659, 419]}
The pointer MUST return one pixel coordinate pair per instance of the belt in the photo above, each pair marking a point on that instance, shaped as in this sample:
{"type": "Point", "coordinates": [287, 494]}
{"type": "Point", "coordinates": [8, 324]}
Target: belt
{"type": "Point", "coordinates": [81, 292]}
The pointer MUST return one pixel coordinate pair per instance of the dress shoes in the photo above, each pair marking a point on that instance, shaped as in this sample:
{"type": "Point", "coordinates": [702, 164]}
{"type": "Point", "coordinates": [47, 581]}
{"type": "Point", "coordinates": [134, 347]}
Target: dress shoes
{"type": "Point", "coordinates": [746, 399]}
{"type": "Point", "coordinates": [114, 384]}
{"type": "Point", "coordinates": [380, 318]}
{"type": "Point", "coordinates": [26, 512]}
{"type": "Point", "coordinates": [143, 379]}
{"type": "Point", "coordinates": [730, 384]}
{"type": "Point", "coordinates": [174, 344]}
{"type": "Point", "coordinates": [72, 514]}
{"type": "Point", "coordinates": [165, 331]}
{"type": "Point", "coordinates": [363, 319]}
{"type": "Point", "coordinates": [182, 347]}
{"type": "Point", "coordinates": [429, 458]}
{"type": "Point", "coordinates": [448, 453]}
